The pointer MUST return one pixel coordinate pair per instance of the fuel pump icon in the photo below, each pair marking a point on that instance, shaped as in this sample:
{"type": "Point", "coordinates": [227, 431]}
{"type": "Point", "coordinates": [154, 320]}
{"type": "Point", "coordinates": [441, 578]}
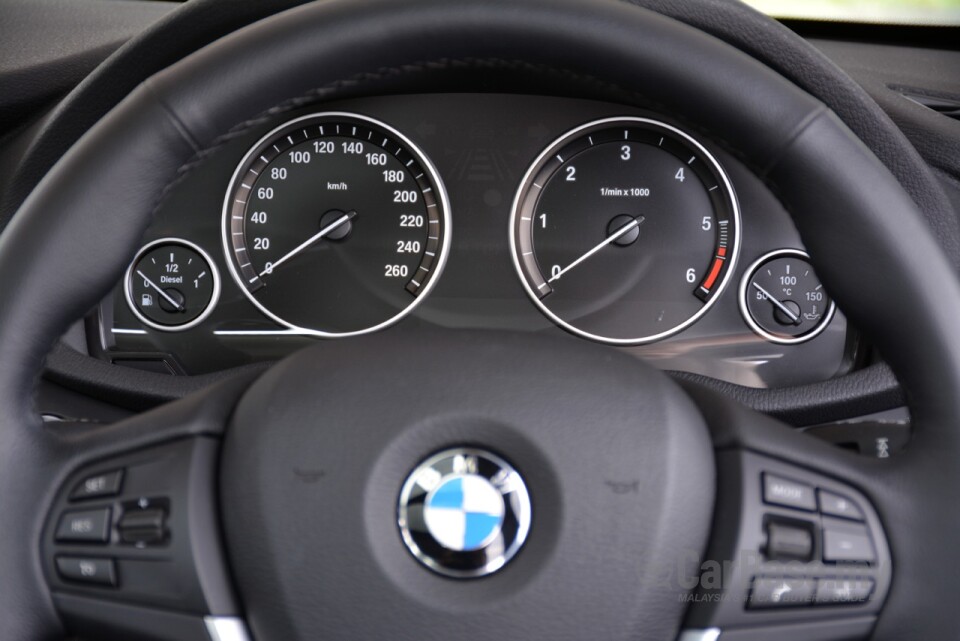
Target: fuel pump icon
{"type": "Point", "coordinates": [146, 300]}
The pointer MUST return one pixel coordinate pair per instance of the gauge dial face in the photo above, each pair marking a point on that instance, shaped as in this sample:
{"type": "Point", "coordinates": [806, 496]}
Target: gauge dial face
{"type": "Point", "coordinates": [782, 299]}
{"type": "Point", "coordinates": [335, 224]}
{"type": "Point", "coordinates": [625, 231]}
{"type": "Point", "coordinates": [172, 285]}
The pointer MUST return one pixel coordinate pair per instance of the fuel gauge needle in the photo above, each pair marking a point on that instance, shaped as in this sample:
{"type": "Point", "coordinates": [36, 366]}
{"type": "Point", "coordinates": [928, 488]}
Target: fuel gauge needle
{"type": "Point", "coordinates": [783, 308]}
{"type": "Point", "coordinates": [299, 248]}
{"type": "Point", "coordinates": [608, 240]}
{"type": "Point", "coordinates": [169, 299]}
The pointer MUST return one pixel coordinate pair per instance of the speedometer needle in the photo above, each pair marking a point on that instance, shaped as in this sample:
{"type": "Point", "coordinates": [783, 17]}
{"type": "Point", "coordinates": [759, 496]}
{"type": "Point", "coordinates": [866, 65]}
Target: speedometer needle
{"type": "Point", "coordinates": [610, 239]}
{"type": "Point", "coordinates": [299, 248]}
{"type": "Point", "coordinates": [176, 305]}
{"type": "Point", "coordinates": [783, 308]}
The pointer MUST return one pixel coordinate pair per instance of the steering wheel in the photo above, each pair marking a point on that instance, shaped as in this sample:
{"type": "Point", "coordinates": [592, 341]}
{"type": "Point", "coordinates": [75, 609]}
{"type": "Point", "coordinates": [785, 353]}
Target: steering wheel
{"type": "Point", "coordinates": [277, 495]}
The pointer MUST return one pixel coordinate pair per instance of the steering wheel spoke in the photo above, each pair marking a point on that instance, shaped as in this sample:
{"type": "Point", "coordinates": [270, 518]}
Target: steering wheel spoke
{"type": "Point", "coordinates": [798, 550]}
{"type": "Point", "coordinates": [130, 545]}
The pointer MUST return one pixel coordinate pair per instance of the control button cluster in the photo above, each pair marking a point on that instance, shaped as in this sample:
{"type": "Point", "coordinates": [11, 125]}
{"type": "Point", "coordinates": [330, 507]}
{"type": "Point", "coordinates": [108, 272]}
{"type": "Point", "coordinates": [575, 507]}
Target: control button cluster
{"type": "Point", "coordinates": [140, 522]}
{"type": "Point", "coordinates": [821, 529]}
{"type": "Point", "coordinates": [801, 551]}
{"type": "Point", "coordinates": [137, 529]}
{"type": "Point", "coordinates": [846, 539]}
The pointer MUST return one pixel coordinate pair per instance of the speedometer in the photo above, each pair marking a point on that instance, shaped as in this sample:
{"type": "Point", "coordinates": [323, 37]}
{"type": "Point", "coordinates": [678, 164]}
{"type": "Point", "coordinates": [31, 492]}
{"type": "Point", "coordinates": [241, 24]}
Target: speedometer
{"type": "Point", "coordinates": [625, 231]}
{"type": "Point", "coordinates": [335, 224]}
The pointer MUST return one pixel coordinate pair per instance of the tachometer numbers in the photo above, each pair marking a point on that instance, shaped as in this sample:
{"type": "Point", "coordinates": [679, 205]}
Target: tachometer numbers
{"type": "Point", "coordinates": [625, 231]}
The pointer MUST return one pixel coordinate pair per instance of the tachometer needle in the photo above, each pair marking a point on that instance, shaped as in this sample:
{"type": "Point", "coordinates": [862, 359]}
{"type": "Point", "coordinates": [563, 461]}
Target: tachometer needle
{"type": "Point", "coordinates": [299, 248]}
{"type": "Point", "coordinates": [610, 239]}
{"type": "Point", "coordinates": [176, 305]}
{"type": "Point", "coordinates": [783, 308]}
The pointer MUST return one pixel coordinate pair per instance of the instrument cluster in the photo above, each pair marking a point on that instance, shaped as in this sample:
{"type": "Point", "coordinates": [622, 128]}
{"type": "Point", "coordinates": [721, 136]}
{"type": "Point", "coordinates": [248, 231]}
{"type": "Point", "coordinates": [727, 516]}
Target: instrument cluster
{"type": "Point", "coordinates": [524, 213]}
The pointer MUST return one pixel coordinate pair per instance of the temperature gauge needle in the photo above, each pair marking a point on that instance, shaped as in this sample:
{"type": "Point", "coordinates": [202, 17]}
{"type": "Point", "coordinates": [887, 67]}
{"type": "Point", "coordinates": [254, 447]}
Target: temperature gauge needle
{"type": "Point", "coordinates": [176, 305]}
{"type": "Point", "coordinates": [299, 248]}
{"type": "Point", "coordinates": [610, 239]}
{"type": "Point", "coordinates": [783, 308]}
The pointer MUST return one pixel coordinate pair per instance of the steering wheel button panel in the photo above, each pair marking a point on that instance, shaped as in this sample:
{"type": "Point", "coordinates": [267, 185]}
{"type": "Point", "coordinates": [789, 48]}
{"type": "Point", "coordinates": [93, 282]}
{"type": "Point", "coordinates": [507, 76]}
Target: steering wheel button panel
{"type": "Point", "coordinates": [150, 536]}
{"type": "Point", "coordinates": [98, 486]}
{"type": "Point", "coordinates": [84, 526]}
{"type": "Point", "coordinates": [785, 549]}
{"type": "Point", "coordinates": [788, 493]}
{"type": "Point", "coordinates": [87, 570]}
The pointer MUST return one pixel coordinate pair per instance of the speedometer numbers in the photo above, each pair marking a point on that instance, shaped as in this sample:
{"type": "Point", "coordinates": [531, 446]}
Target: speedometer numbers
{"type": "Point", "coordinates": [336, 224]}
{"type": "Point", "coordinates": [625, 231]}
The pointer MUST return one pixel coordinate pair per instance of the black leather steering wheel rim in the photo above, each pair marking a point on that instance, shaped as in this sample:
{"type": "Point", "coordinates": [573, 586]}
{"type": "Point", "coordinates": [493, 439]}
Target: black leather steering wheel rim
{"type": "Point", "coordinates": [790, 139]}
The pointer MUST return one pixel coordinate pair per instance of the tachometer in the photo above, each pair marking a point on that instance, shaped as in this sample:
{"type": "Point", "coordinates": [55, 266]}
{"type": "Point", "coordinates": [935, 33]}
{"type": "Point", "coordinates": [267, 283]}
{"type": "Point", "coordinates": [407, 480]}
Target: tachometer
{"type": "Point", "coordinates": [625, 230]}
{"type": "Point", "coordinates": [336, 224]}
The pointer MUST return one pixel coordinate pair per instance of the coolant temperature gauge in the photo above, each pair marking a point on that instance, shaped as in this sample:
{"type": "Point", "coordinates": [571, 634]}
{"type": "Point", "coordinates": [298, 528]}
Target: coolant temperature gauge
{"type": "Point", "coordinates": [172, 285]}
{"type": "Point", "coordinates": [782, 299]}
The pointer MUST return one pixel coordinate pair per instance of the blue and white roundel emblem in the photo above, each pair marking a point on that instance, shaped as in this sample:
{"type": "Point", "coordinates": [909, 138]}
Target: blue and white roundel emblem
{"type": "Point", "coordinates": [464, 512]}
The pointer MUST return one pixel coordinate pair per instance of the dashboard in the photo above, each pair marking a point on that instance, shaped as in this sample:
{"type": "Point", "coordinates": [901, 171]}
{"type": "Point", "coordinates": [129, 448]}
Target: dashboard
{"type": "Point", "coordinates": [474, 245]}
{"type": "Point", "coordinates": [404, 213]}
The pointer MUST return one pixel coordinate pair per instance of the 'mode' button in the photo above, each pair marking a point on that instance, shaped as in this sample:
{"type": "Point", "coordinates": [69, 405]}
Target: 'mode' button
{"type": "Point", "coordinates": [780, 491]}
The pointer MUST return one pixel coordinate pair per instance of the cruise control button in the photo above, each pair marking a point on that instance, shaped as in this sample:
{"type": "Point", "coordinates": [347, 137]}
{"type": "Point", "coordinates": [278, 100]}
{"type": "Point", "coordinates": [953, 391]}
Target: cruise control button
{"type": "Point", "coordinates": [840, 506]}
{"type": "Point", "coordinates": [780, 593]}
{"type": "Point", "coordinates": [100, 485]}
{"type": "Point", "coordinates": [849, 543]}
{"type": "Point", "coordinates": [84, 526]}
{"type": "Point", "coordinates": [840, 591]}
{"type": "Point", "coordinates": [84, 570]}
{"type": "Point", "coordinates": [142, 527]}
{"type": "Point", "coordinates": [780, 491]}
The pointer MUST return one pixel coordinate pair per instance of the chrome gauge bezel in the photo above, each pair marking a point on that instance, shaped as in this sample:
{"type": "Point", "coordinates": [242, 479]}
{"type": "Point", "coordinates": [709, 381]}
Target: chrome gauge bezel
{"type": "Point", "coordinates": [748, 317]}
{"type": "Point", "coordinates": [411, 147]}
{"type": "Point", "coordinates": [605, 123]}
{"type": "Point", "coordinates": [128, 285]}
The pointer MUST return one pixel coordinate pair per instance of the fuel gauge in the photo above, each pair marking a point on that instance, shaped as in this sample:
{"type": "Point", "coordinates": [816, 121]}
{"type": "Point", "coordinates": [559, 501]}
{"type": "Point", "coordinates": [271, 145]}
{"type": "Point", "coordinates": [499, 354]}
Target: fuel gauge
{"type": "Point", "coordinates": [172, 285]}
{"type": "Point", "coordinates": [782, 299]}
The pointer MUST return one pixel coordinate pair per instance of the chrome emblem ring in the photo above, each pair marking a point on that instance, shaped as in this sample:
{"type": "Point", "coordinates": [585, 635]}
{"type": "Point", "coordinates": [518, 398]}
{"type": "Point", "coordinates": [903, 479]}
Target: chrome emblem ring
{"type": "Point", "coordinates": [464, 513]}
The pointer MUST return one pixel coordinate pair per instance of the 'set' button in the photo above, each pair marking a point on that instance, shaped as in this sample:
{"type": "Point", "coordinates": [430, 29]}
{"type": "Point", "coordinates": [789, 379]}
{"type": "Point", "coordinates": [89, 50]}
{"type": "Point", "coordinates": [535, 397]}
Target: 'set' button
{"type": "Point", "coordinates": [97, 486]}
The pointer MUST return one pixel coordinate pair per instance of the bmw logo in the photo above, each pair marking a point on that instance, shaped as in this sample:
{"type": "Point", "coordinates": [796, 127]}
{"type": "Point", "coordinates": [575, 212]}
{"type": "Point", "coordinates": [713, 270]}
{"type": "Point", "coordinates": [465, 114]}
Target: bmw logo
{"type": "Point", "coordinates": [464, 512]}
